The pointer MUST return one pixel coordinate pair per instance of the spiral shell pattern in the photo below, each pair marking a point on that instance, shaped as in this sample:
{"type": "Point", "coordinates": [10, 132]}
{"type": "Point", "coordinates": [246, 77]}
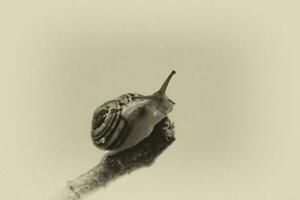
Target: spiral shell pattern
{"type": "Point", "coordinates": [109, 128]}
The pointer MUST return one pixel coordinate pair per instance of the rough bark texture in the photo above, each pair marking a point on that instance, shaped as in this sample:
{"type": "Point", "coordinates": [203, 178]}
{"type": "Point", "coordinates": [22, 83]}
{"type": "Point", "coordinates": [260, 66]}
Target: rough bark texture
{"type": "Point", "coordinates": [114, 166]}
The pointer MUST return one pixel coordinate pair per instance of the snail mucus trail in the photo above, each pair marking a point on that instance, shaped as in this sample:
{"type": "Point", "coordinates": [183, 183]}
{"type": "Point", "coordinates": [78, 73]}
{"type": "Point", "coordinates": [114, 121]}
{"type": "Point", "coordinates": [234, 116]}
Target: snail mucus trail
{"type": "Point", "coordinates": [122, 123]}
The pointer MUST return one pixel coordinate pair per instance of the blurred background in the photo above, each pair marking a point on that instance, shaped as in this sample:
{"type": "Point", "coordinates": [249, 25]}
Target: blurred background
{"type": "Point", "coordinates": [237, 93]}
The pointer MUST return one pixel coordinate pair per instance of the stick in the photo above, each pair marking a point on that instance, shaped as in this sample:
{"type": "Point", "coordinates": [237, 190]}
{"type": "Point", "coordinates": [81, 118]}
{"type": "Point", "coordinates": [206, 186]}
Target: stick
{"type": "Point", "coordinates": [113, 166]}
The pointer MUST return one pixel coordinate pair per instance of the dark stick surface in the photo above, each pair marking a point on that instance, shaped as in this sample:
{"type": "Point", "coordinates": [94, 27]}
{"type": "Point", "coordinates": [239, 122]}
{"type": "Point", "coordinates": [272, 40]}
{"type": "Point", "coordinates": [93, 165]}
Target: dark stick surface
{"type": "Point", "coordinates": [114, 166]}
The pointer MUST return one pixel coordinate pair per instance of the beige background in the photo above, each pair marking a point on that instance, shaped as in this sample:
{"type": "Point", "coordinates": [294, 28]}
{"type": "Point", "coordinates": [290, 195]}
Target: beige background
{"type": "Point", "coordinates": [237, 94]}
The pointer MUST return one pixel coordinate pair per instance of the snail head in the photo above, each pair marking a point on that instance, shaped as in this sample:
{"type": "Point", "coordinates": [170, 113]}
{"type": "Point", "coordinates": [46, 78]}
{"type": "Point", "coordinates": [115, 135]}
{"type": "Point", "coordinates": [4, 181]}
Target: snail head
{"type": "Point", "coordinates": [158, 101]}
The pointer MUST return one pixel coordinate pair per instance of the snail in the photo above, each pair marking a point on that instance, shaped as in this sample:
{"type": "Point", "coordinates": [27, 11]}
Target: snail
{"type": "Point", "coordinates": [122, 123]}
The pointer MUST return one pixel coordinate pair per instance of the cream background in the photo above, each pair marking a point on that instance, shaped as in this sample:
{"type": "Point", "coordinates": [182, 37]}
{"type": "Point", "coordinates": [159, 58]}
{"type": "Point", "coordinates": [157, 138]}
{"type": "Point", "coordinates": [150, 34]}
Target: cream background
{"type": "Point", "coordinates": [236, 89]}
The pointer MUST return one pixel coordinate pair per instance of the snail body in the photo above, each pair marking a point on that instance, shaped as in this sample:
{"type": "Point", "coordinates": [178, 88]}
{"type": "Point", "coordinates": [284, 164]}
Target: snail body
{"type": "Point", "coordinates": [125, 121]}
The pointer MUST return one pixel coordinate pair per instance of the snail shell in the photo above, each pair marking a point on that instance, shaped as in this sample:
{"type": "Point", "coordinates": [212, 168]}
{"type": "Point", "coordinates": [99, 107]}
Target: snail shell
{"type": "Point", "coordinates": [109, 128]}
